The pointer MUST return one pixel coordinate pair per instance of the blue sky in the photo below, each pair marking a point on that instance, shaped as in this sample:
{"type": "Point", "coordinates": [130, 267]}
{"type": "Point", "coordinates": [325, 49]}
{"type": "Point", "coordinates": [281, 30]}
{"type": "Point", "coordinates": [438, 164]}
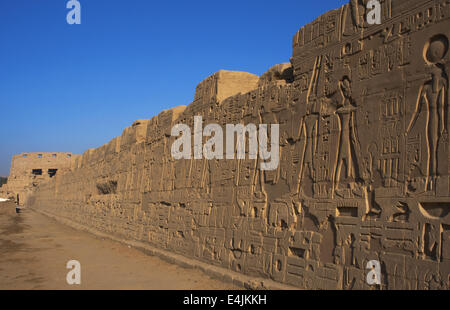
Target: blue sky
{"type": "Point", "coordinates": [68, 88]}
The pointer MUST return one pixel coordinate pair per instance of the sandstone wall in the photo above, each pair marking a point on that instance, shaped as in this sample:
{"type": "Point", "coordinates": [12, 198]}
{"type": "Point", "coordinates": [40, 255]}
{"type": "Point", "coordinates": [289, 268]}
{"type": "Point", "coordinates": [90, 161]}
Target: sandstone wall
{"type": "Point", "coordinates": [363, 175]}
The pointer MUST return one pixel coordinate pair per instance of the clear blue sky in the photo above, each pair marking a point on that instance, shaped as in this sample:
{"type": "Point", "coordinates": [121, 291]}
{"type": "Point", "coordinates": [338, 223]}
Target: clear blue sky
{"type": "Point", "coordinates": [68, 88]}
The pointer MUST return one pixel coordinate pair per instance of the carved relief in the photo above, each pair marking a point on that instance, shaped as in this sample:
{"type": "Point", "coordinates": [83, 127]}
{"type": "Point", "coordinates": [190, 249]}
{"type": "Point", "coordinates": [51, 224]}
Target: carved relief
{"type": "Point", "coordinates": [348, 141]}
{"type": "Point", "coordinates": [364, 162]}
{"type": "Point", "coordinates": [433, 99]}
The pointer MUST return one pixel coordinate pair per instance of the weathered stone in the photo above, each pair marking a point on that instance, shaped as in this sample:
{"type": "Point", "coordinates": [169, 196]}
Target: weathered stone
{"type": "Point", "coordinates": [363, 175]}
{"type": "Point", "coordinates": [283, 73]}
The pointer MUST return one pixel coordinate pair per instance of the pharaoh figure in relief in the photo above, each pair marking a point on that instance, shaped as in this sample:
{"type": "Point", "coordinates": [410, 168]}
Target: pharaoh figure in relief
{"type": "Point", "coordinates": [348, 141]}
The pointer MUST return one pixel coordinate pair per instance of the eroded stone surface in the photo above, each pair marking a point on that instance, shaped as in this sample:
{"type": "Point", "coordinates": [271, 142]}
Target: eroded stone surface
{"type": "Point", "coordinates": [363, 175]}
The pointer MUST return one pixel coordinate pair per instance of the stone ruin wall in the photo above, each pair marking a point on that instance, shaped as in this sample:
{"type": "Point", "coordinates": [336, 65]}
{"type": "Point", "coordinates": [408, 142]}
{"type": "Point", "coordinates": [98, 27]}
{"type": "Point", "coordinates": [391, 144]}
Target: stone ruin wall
{"type": "Point", "coordinates": [364, 162]}
{"type": "Point", "coordinates": [29, 170]}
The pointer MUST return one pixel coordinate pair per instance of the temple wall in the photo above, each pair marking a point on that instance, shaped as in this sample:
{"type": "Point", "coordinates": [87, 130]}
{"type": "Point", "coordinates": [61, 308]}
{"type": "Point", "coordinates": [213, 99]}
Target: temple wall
{"type": "Point", "coordinates": [364, 162]}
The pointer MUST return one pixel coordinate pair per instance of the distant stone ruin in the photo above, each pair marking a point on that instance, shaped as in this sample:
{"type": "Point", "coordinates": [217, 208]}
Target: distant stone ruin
{"type": "Point", "coordinates": [29, 170]}
{"type": "Point", "coordinates": [364, 162]}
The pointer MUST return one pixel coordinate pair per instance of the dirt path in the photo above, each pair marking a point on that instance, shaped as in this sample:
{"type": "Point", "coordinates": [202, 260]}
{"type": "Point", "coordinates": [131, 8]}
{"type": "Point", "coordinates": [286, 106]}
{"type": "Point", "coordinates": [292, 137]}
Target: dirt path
{"type": "Point", "coordinates": [34, 251]}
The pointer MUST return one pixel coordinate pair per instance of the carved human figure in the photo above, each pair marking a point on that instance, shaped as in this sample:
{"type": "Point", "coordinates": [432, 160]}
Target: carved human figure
{"type": "Point", "coordinates": [433, 94]}
{"type": "Point", "coordinates": [354, 17]}
{"type": "Point", "coordinates": [348, 141]}
{"type": "Point", "coordinates": [310, 127]}
{"type": "Point", "coordinates": [357, 10]}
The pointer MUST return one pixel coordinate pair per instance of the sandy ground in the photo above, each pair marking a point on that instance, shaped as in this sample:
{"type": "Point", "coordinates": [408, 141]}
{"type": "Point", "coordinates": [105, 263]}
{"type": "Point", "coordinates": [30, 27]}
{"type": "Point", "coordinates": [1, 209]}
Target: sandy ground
{"type": "Point", "coordinates": [35, 249]}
